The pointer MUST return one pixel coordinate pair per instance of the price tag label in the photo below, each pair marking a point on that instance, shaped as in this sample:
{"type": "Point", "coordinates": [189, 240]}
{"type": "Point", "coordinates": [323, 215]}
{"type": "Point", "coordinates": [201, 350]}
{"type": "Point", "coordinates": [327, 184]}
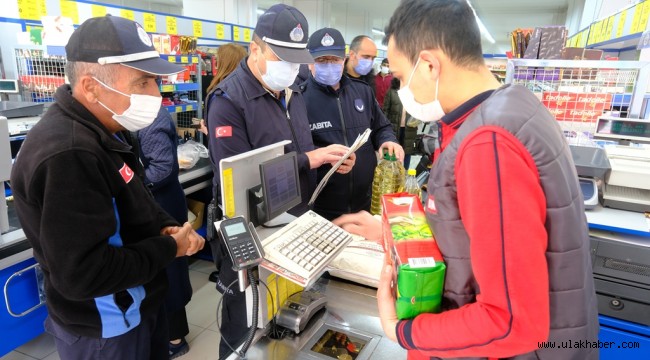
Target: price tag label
{"type": "Point", "coordinates": [221, 31]}
{"type": "Point", "coordinates": [621, 24]}
{"type": "Point", "coordinates": [179, 109]}
{"type": "Point", "coordinates": [195, 60]}
{"type": "Point", "coordinates": [643, 22]}
{"type": "Point", "coordinates": [171, 25]}
{"type": "Point", "coordinates": [27, 9]}
{"type": "Point", "coordinates": [69, 9]}
{"type": "Point", "coordinates": [171, 59]}
{"type": "Point", "coordinates": [235, 33]}
{"type": "Point", "coordinates": [167, 88]}
{"type": "Point", "coordinates": [128, 14]}
{"type": "Point", "coordinates": [98, 10]}
{"type": "Point", "coordinates": [149, 22]}
{"type": "Point", "coordinates": [189, 108]}
{"type": "Point", "coordinates": [638, 11]}
{"type": "Point", "coordinates": [185, 60]}
{"type": "Point", "coordinates": [247, 35]}
{"type": "Point", "coordinates": [610, 29]}
{"type": "Point", "coordinates": [197, 28]}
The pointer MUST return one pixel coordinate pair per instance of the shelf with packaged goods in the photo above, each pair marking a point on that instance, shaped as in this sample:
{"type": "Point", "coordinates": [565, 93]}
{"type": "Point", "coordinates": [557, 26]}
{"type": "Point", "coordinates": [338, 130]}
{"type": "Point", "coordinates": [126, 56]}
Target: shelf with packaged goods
{"type": "Point", "coordinates": [179, 87]}
{"type": "Point", "coordinates": [187, 106]}
{"type": "Point", "coordinates": [181, 59]}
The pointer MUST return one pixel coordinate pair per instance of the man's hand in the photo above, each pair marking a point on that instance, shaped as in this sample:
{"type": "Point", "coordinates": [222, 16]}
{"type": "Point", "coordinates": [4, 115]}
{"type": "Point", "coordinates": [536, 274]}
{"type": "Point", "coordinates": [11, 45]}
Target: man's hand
{"type": "Point", "coordinates": [326, 155]}
{"type": "Point", "coordinates": [386, 300]}
{"type": "Point", "coordinates": [196, 243]}
{"type": "Point", "coordinates": [347, 165]}
{"type": "Point", "coordinates": [392, 148]}
{"type": "Point", "coordinates": [362, 224]}
{"type": "Point", "coordinates": [181, 236]}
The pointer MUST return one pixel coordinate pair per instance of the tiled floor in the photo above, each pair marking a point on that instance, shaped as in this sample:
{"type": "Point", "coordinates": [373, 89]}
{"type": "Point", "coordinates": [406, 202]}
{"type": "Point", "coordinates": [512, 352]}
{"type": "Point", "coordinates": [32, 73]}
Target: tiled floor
{"type": "Point", "coordinates": [201, 315]}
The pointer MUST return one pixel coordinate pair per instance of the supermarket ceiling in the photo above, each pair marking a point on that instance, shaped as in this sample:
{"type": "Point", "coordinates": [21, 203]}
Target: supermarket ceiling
{"type": "Point", "coordinates": [499, 16]}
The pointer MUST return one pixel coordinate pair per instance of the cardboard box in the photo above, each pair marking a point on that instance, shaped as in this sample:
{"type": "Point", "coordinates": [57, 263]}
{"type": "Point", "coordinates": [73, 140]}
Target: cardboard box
{"type": "Point", "coordinates": [197, 208]}
{"type": "Point", "coordinates": [419, 265]}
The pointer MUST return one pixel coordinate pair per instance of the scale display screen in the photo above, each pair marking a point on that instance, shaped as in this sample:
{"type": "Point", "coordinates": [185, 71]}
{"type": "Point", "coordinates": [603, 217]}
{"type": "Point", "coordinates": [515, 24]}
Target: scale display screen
{"type": "Point", "coordinates": [623, 129]}
{"type": "Point", "coordinates": [8, 86]}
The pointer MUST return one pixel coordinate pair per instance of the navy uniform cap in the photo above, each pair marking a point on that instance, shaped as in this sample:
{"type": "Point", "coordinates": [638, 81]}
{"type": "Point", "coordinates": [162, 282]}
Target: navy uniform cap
{"type": "Point", "coordinates": [284, 28]}
{"type": "Point", "coordinates": [326, 42]}
{"type": "Point", "coordinates": [116, 40]}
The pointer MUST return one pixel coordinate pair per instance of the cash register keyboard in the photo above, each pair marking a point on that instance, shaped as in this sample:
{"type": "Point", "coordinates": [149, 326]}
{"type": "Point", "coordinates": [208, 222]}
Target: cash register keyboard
{"type": "Point", "coordinates": [306, 245]}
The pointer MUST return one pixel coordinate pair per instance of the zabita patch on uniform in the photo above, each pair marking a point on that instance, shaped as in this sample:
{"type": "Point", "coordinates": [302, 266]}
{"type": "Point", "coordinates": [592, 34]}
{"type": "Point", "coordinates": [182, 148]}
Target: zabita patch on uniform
{"type": "Point", "coordinates": [223, 131]}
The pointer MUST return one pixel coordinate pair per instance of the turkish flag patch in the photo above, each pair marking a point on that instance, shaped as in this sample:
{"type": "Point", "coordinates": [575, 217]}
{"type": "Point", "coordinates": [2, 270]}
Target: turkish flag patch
{"type": "Point", "coordinates": [223, 131]}
{"type": "Point", "coordinates": [127, 173]}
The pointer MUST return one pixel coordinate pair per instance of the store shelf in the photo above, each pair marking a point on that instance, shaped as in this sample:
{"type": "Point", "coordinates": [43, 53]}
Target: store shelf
{"type": "Point", "coordinates": [181, 59]}
{"type": "Point", "coordinates": [189, 106]}
{"type": "Point", "coordinates": [179, 87]}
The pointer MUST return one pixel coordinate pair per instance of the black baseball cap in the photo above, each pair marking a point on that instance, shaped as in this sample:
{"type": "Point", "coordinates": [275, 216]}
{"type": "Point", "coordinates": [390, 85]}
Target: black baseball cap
{"type": "Point", "coordinates": [284, 28]}
{"type": "Point", "coordinates": [326, 42]}
{"type": "Point", "coordinates": [116, 40]}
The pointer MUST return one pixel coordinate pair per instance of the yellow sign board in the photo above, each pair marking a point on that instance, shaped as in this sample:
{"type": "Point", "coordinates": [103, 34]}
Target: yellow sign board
{"type": "Point", "coordinates": [172, 29]}
{"type": "Point", "coordinates": [149, 22]}
{"type": "Point", "coordinates": [638, 12]}
{"type": "Point", "coordinates": [197, 28]}
{"type": "Point", "coordinates": [610, 29]}
{"type": "Point", "coordinates": [185, 60]}
{"type": "Point", "coordinates": [69, 9]}
{"type": "Point", "coordinates": [643, 22]}
{"type": "Point", "coordinates": [247, 34]}
{"type": "Point", "coordinates": [98, 10]}
{"type": "Point", "coordinates": [621, 24]}
{"type": "Point", "coordinates": [221, 31]}
{"type": "Point", "coordinates": [229, 192]}
{"type": "Point", "coordinates": [235, 33]}
{"type": "Point", "coordinates": [32, 9]}
{"type": "Point", "coordinates": [128, 14]}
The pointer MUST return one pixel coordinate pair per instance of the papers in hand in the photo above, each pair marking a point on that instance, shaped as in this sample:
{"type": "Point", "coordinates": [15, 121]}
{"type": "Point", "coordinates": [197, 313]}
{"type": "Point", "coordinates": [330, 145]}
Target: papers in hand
{"type": "Point", "coordinates": [361, 139]}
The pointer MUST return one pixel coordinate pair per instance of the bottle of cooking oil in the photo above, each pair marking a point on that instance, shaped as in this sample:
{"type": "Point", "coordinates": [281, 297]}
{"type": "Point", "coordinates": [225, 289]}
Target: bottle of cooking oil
{"type": "Point", "coordinates": [412, 186]}
{"type": "Point", "coordinates": [388, 179]}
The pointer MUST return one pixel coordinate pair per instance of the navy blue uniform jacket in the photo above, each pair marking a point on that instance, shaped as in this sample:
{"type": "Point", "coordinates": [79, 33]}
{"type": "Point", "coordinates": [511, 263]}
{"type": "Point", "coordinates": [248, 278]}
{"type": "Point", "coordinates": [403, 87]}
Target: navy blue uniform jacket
{"type": "Point", "coordinates": [338, 117]}
{"type": "Point", "coordinates": [243, 116]}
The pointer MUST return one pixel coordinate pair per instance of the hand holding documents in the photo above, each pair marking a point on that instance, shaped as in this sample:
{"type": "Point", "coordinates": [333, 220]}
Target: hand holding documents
{"type": "Point", "coordinates": [361, 139]}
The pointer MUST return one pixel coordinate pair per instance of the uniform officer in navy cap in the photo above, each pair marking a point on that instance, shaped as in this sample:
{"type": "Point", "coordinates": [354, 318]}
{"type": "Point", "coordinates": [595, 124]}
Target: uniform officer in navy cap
{"type": "Point", "coordinates": [258, 105]}
{"type": "Point", "coordinates": [339, 109]}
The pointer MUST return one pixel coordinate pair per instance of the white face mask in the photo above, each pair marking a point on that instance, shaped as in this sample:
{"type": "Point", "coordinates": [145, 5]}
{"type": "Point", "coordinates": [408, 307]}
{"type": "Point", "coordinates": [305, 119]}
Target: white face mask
{"type": "Point", "coordinates": [141, 113]}
{"type": "Point", "coordinates": [279, 74]}
{"type": "Point", "coordinates": [385, 70]}
{"type": "Point", "coordinates": [426, 112]}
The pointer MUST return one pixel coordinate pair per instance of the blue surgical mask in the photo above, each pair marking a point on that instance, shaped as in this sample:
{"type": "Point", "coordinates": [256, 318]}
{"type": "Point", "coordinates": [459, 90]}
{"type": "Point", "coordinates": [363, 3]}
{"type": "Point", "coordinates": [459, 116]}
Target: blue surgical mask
{"type": "Point", "coordinates": [363, 66]}
{"type": "Point", "coordinates": [328, 74]}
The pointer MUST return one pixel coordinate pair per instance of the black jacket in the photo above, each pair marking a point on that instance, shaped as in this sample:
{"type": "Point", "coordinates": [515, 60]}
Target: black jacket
{"type": "Point", "coordinates": [338, 117]}
{"type": "Point", "coordinates": [93, 225]}
{"type": "Point", "coordinates": [250, 117]}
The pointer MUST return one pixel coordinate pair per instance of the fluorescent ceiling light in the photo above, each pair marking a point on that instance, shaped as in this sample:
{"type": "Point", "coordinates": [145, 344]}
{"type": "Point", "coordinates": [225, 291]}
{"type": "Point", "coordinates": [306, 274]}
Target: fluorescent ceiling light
{"type": "Point", "coordinates": [481, 27]}
{"type": "Point", "coordinates": [378, 32]}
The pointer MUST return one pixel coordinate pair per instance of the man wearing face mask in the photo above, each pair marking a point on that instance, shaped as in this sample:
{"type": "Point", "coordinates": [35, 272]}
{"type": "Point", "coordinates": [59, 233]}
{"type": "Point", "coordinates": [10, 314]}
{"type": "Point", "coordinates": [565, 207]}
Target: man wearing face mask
{"type": "Point", "coordinates": [504, 203]}
{"type": "Point", "coordinates": [340, 109]}
{"type": "Point", "coordinates": [257, 105]}
{"type": "Point", "coordinates": [358, 65]}
{"type": "Point", "coordinates": [101, 239]}
{"type": "Point", "coordinates": [383, 82]}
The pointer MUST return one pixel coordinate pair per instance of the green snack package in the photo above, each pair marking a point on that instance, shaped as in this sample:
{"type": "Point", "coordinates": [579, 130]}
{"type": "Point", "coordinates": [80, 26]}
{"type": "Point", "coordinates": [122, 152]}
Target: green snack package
{"type": "Point", "coordinates": [419, 290]}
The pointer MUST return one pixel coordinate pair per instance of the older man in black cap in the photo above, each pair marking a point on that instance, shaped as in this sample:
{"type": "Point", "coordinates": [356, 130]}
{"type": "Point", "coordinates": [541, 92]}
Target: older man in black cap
{"type": "Point", "coordinates": [258, 105]}
{"type": "Point", "coordinates": [102, 241]}
{"type": "Point", "coordinates": [339, 109]}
